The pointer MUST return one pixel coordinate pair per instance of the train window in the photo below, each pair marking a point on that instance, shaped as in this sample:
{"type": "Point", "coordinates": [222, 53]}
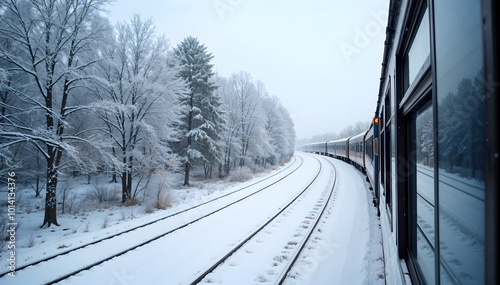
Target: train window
{"type": "Point", "coordinates": [387, 156]}
{"type": "Point", "coordinates": [460, 140]}
{"type": "Point", "coordinates": [422, 194]}
{"type": "Point", "coordinates": [382, 149]}
{"type": "Point", "coordinates": [419, 50]}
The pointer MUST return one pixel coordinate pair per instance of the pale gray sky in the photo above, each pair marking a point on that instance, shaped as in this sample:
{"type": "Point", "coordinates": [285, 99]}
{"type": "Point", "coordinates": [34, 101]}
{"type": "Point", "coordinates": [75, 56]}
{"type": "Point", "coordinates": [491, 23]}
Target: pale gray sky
{"type": "Point", "coordinates": [322, 58]}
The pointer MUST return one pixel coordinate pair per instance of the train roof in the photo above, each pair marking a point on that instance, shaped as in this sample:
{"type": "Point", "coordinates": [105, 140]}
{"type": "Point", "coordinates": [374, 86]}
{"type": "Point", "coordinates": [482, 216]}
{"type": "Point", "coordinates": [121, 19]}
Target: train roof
{"type": "Point", "coordinates": [389, 45]}
{"type": "Point", "coordinates": [338, 140]}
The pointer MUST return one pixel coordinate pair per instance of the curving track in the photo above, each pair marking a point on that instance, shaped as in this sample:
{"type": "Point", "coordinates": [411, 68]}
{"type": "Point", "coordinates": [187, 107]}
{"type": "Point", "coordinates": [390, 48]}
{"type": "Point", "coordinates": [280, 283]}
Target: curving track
{"type": "Point", "coordinates": [276, 253]}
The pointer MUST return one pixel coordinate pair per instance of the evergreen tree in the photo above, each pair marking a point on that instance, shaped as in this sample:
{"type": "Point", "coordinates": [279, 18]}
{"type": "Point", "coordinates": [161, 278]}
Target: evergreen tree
{"type": "Point", "coordinates": [213, 126]}
{"type": "Point", "coordinates": [201, 119]}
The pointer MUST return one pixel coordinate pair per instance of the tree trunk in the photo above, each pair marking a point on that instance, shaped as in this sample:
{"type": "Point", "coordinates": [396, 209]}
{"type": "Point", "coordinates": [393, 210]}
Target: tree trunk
{"type": "Point", "coordinates": [129, 182]}
{"type": "Point", "coordinates": [37, 186]}
{"type": "Point", "coordinates": [186, 173]}
{"type": "Point", "coordinates": [113, 175]}
{"type": "Point", "coordinates": [114, 178]}
{"type": "Point", "coordinates": [125, 193]}
{"type": "Point", "coordinates": [124, 186]}
{"type": "Point", "coordinates": [50, 197]}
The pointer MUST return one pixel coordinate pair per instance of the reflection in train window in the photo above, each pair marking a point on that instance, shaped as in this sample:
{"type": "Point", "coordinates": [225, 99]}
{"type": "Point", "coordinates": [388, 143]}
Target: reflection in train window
{"type": "Point", "coordinates": [424, 245]}
{"type": "Point", "coordinates": [460, 112]}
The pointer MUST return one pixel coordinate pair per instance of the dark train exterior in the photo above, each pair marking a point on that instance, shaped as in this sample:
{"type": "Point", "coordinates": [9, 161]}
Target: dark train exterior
{"type": "Point", "coordinates": [431, 154]}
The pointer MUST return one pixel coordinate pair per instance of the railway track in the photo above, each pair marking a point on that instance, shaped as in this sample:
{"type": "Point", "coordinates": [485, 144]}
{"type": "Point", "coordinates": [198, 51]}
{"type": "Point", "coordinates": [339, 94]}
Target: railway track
{"type": "Point", "coordinates": [111, 239]}
{"type": "Point", "coordinates": [306, 229]}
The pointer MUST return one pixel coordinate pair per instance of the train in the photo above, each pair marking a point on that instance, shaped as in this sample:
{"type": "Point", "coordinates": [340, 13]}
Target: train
{"type": "Point", "coordinates": [357, 150]}
{"type": "Point", "coordinates": [431, 152]}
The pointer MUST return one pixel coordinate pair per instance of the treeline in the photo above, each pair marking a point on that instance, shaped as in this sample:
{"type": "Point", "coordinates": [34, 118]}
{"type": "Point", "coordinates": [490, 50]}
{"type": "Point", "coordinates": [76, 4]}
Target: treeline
{"type": "Point", "coordinates": [82, 96]}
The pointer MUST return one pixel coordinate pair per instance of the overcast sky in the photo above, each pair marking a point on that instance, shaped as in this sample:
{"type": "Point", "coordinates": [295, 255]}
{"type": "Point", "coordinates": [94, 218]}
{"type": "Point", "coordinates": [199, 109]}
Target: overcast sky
{"type": "Point", "coordinates": [322, 58]}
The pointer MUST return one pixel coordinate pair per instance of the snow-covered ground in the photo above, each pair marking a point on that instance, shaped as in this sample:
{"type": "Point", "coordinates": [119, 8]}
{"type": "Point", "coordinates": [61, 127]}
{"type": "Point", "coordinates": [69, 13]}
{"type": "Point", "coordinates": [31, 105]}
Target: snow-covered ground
{"type": "Point", "coordinates": [346, 249]}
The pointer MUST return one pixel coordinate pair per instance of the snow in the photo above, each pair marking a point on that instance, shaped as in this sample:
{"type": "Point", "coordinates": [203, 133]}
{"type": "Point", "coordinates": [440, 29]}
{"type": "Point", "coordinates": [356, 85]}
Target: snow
{"type": "Point", "coordinates": [346, 249]}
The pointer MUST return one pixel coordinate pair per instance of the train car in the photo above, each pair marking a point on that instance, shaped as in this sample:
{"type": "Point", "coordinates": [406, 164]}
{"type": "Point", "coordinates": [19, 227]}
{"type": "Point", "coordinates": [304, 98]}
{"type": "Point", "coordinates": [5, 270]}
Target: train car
{"type": "Point", "coordinates": [319, 147]}
{"type": "Point", "coordinates": [371, 156]}
{"type": "Point", "coordinates": [438, 141]}
{"type": "Point", "coordinates": [307, 147]}
{"type": "Point", "coordinates": [338, 148]}
{"type": "Point", "coordinates": [356, 150]}
{"type": "Point", "coordinates": [331, 149]}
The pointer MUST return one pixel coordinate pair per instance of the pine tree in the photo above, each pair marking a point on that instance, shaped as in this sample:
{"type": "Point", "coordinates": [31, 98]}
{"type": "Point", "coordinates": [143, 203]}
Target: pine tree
{"type": "Point", "coordinates": [201, 119]}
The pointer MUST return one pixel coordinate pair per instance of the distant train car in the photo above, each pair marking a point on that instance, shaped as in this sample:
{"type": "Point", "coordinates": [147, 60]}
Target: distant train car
{"type": "Point", "coordinates": [356, 150]}
{"type": "Point", "coordinates": [338, 148]}
{"type": "Point", "coordinates": [319, 147]}
{"type": "Point", "coordinates": [371, 154]}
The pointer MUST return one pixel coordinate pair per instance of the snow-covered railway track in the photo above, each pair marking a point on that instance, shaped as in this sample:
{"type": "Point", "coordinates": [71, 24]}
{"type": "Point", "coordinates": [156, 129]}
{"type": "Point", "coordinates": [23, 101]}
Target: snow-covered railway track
{"type": "Point", "coordinates": [179, 256]}
{"type": "Point", "coordinates": [190, 215]}
{"type": "Point", "coordinates": [302, 234]}
{"type": "Point", "coordinates": [310, 231]}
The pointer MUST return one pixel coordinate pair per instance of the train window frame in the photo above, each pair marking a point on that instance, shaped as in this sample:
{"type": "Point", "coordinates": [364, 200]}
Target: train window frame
{"type": "Point", "coordinates": [419, 93]}
{"type": "Point", "coordinates": [416, 30]}
{"type": "Point", "coordinates": [409, 100]}
{"type": "Point", "coordinates": [423, 78]}
{"type": "Point", "coordinates": [411, 186]}
{"type": "Point", "coordinates": [388, 150]}
{"type": "Point", "coordinates": [419, 109]}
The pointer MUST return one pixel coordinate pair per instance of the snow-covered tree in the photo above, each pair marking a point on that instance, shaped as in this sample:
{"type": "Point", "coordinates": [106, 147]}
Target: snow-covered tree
{"type": "Point", "coordinates": [258, 129]}
{"type": "Point", "coordinates": [280, 129]}
{"type": "Point", "coordinates": [248, 107]}
{"type": "Point", "coordinates": [51, 45]}
{"type": "Point", "coordinates": [462, 130]}
{"type": "Point", "coordinates": [202, 117]}
{"type": "Point", "coordinates": [214, 116]}
{"type": "Point", "coordinates": [425, 139]}
{"type": "Point", "coordinates": [139, 102]}
{"type": "Point", "coordinates": [230, 139]}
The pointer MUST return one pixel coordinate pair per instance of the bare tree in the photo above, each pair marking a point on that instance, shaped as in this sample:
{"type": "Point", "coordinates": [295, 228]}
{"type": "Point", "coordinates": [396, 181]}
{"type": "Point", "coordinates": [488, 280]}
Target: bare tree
{"type": "Point", "coordinates": [230, 139]}
{"type": "Point", "coordinates": [138, 102]}
{"type": "Point", "coordinates": [248, 102]}
{"type": "Point", "coordinates": [258, 129]}
{"type": "Point", "coordinates": [52, 42]}
{"type": "Point", "coordinates": [280, 130]}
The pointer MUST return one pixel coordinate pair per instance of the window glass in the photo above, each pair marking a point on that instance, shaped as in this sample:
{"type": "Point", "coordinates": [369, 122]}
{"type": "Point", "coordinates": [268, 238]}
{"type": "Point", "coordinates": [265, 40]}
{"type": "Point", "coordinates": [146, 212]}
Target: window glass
{"type": "Point", "coordinates": [425, 206]}
{"type": "Point", "coordinates": [419, 50]}
{"type": "Point", "coordinates": [460, 112]}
